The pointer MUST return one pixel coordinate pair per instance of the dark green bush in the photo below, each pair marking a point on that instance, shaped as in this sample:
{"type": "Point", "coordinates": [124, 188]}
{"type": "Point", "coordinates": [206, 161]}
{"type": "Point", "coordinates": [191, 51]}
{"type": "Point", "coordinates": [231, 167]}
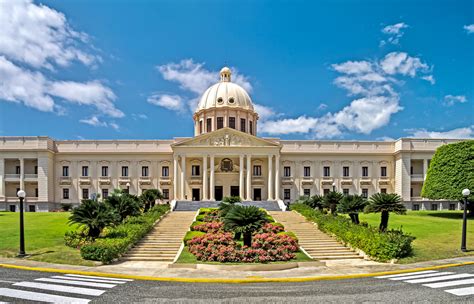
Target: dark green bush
{"type": "Point", "coordinates": [381, 246]}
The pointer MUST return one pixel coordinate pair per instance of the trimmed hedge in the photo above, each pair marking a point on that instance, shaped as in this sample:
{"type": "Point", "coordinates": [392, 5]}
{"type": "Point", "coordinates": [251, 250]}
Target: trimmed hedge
{"type": "Point", "coordinates": [190, 234]}
{"type": "Point", "coordinates": [120, 239]}
{"type": "Point", "coordinates": [451, 170]}
{"type": "Point", "coordinates": [381, 246]}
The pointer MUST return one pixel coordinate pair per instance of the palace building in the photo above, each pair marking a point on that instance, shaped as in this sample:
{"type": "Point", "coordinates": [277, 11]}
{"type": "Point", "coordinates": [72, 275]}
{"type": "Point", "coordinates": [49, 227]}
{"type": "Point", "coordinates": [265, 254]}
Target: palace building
{"type": "Point", "coordinates": [225, 157]}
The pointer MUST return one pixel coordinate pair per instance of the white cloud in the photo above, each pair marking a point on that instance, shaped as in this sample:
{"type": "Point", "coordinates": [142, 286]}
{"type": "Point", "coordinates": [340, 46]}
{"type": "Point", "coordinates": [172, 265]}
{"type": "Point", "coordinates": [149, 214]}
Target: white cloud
{"type": "Point", "coordinates": [170, 102]}
{"type": "Point", "coordinates": [386, 138]}
{"type": "Point", "coordinates": [301, 124]}
{"type": "Point", "coordinates": [450, 100]}
{"type": "Point", "coordinates": [429, 78]}
{"type": "Point", "coordinates": [459, 133]}
{"type": "Point", "coordinates": [395, 32]}
{"type": "Point", "coordinates": [353, 67]}
{"type": "Point", "coordinates": [264, 112]}
{"type": "Point", "coordinates": [469, 28]}
{"type": "Point", "coordinates": [139, 116]}
{"type": "Point", "coordinates": [402, 63]}
{"type": "Point", "coordinates": [96, 122]}
{"type": "Point", "coordinates": [322, 107]}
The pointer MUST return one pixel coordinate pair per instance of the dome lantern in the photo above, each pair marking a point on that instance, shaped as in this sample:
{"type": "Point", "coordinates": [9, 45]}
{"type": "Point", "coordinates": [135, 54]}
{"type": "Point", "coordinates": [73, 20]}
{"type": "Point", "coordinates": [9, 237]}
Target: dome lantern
{"type": "Point", "coordinates": [225, 74]}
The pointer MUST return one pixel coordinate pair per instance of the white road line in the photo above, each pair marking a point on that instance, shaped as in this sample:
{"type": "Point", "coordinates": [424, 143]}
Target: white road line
{"type": "Point", "coordinates": [43, 297]}
{"type": "Point", "coordinates": [442, 278]}
{"type": "Point", "coordinates": [450, 283]}
{"type": "Point", "coordinates": [88, 280]}
{"type": "Point", "coordinates": [62, 288]}
{"type": "Point", "coordinates": [461, 291]}
{"type": "Point", "coordinates": [79, 283]}
{"type": "Point", "coordinates": [404, 274]}
{"type": "Point", "coordinates": [97, 277]}
{"type": "Point", "coordinates": [421, 276]}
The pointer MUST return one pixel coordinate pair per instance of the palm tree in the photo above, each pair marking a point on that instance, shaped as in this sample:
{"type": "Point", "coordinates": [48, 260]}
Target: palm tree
{"type": "Point", "coordinates": [149, 196]}
{"type": "Point", "coordinates": [94, 215]}
{"type": "Point", "coordinates": [314, 201]}
{"type": "Point", "coordinates": [125, 204]}
{"type": "Point", "coordinates": [385, 203]}
{"type": "Point", "coordinates": [331, 199]}
{"type": "Point", "coordinates": [352, 205]}
{"type": "Point", "coordinates": [245, 220]}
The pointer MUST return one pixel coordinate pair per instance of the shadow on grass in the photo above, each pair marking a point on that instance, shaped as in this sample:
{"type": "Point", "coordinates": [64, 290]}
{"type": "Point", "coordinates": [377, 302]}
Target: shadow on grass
{"type": "Point", "coordinates": [450, 215]}
{"type": "Point", "coordinates": [40, 253]}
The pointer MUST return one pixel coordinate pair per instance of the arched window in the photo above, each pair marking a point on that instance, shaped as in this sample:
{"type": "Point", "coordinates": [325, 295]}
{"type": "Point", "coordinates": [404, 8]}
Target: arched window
{"type": "Point", "coordinates": [227, 165]}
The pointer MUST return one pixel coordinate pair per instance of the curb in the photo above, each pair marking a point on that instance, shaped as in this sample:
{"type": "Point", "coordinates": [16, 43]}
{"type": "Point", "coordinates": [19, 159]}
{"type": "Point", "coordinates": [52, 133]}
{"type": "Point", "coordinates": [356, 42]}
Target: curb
{"type": "Point", "coordinates": [232, 281]}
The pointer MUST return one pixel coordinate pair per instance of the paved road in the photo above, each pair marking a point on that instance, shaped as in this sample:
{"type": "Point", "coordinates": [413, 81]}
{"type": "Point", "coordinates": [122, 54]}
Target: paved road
{"type": "Point", "coordinates": [442, 286]}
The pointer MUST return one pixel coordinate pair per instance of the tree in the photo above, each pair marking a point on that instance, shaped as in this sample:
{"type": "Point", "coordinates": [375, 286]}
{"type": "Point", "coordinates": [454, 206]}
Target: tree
{"type": "Point", "coordinates": [352, 205]}
{"type": "Point", "coordinates": [385, 203]}
{"type": "Point", "coordinates": [232, 199]}
{"type": "Point", "coordinates": [94, 215]}
{"type": "Point", "coordinates": [149, 196]}
{"type": "Point", "coordinates": [331, 199]}
{"type": "Point", "coordinates": [245, 220]}
{"type": "Point", "coordinates": [315, 201]}
{"type": "Point", "coordinates": [124, 204]}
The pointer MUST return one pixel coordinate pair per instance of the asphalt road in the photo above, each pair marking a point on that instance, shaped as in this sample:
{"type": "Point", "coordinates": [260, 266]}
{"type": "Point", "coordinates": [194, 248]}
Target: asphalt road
{"type": "Point", "coordinates": [18, 285]}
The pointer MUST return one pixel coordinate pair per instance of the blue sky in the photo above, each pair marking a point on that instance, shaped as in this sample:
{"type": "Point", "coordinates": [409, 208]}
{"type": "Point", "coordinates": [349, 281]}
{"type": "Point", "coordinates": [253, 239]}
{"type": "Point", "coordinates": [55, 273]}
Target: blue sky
{"type": "Point", "coordinates": [370, 70]}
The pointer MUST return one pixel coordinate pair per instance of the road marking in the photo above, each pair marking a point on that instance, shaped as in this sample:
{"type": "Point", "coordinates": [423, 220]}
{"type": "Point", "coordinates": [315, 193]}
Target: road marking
{"type": "Point", "coordinates": [43, 297]}
{"type": "Point", "coordinates": [79, 283]}
{"type": "Point", "coordinates": [442, 278]}
{"type": "Point", "coordinates": [404, 274]}
{"type": "Point", "coordinates": [88, 280]}
{"type": "Point", "coordinates": [450, 283]}
{"type": "Point", "coordinates": [461, 291]}
{"type": "Point", "coordinates": [97, 277]}
{"type": "Point", "coordinates": [421, 276]}
{"type": "Point", "coordinates": [62, 288]}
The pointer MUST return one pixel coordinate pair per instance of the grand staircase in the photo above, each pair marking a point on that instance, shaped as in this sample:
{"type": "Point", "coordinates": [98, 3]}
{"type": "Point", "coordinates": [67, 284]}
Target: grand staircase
{"type": "Point", "coordinates": [163, 242]}
{"type": "Point", "coordinates": [317, 244]}
{"type": "Point", "coordinates": [195, 205]}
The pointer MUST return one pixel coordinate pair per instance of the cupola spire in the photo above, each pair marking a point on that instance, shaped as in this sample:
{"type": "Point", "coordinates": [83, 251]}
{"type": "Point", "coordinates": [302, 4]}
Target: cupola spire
{"type": "Point", "coordinates": [225, 74]}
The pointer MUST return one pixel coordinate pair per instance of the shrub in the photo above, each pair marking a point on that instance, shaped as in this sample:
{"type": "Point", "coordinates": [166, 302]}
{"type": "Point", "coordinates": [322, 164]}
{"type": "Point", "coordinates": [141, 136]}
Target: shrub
{"type": "Point", "coordinates": [124, 204]}
{"type": "Point", "coordinates": [382, 246]}
{"type": "Point", "coordinates": [331, 200]}
{"type": "Point", "coordinates": [191, 234]}
{"type": "Point", "coordinates": [352, 205]}
{"type": "Point", "coordinates": [232, 199]}
{"type": "Point", "coordinates": [66, 207]}
{"type": "Point", "coordinates": [245, 220]}
{"type": "Point", "coordinates": [272, 228]}
{"type": "Point", "coordinates": [77, 239]}
{"type": "Point", "coordinates": [149, 196]}
{"type": "Point", "coordinates": [209, 227]}
{"type": "Point", "coordinates": [289, 233]}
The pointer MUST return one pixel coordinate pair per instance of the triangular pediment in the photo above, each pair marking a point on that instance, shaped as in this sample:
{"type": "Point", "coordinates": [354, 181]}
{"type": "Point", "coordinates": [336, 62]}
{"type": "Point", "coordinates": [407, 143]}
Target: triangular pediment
{"type": "Point", "coordinates": [226, 137]}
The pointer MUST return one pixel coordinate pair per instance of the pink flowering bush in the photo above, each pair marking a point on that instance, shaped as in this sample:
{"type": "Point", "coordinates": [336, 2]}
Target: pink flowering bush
{"type": "Point", "coordinates": [271, 228]}
{"type": "Point", "coordinates": [209, 227]}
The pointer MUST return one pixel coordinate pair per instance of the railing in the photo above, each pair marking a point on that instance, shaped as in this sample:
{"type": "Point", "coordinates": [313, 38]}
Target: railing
{"type": "Point", "coordinates": [417, 175]}
{"type": "Point", "coordinates": [12, 176]}
{"type": "Point", "coordinates": [31, 175]}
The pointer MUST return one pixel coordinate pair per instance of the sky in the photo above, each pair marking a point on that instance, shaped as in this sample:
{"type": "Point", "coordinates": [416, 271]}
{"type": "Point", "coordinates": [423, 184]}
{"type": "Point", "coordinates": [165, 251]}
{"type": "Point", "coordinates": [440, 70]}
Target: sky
{"type": "Point", "coordinates": [324, 70]}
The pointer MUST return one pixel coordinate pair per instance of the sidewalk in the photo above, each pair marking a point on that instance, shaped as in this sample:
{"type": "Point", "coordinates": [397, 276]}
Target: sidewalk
{"type": "Point", "coordinates": [334, 268]}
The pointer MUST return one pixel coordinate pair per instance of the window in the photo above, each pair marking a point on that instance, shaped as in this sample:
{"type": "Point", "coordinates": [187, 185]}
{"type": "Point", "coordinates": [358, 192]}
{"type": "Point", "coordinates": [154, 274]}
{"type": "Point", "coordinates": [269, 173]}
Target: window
{"type": "Point", "coordinates": [415, 207]}
{"type": "Point", "coordinates": [36, 192]}
{"type": "Point", "coordinates": [200, 127]}
{"type": "Point", "coordinates": [124, 170]}
{"type": "Point", "coordinates": [287, 171]}
{"type": "Point", "coordinates": [166, 193]}
{"type": "Point", "coordinates": [17, 170]}
{"type": "Point", "coordinates": [383, 171]}
{"type": "Point", "coordinates": [195, 170]}
{"type": "Point", "coordinates": [105, 193]}
{"type": "Point", "coordinates": [231, 100]}
{"type": "Point", "coordinates": [220, 122]}
{"type": "Point", "coordinates": [232, 122]}
{"type": "Point", "coordinates": [85, 171]}
{"type": "Point", "coordinates": [12, 208]}
{"type": "Point", "coordinates": [325, 191]}
{"type": "Point", "coordinates": [411, 192]}
{"type": "Point", "coordinates": [383, 190]}
{"type": "Point", "coordinates": [208, 125]}
{"type": "Point", "coordinates": [105, 171]}
{"type": "Point", "coordinates": [287, 194]}
{"type": "Point", "coordinates": [257, 170]}
{"type": "Point", "coordinates": [365, 193]}
{"type": "Point", "coordinates": [307, 192]}
{"type": "Point", "coordinates": [85, 193]}
{"type": "Point", "coordinates": [434, 207]}
{"type": "Point", "coordinates": [251, 127]}
{"type": "Point", "coordinates": [65, 193]}
{"type": "Point", "coordinates": [145, 171]}
{"type": "Point", "coordinates": [326, 172]}
{"type": "Point", "coordinates": [227, 165]}
{"type": "Point", "coordinates": [411, 170]}
{"type": "Point", "coordinates": [242, 124]}
{"type": "Point", "coordinates": [345, 171]}
{"type": "Point", "coordinates": [165, 171]}
{"type": "Point", "coordinates": [365, 171]}
{"type": "Point", "coordinates": [17, 189]}
{"type": "Point", "coordinates": [452, 206]}
{"type": "Point", "coordinates": [65, 171]}
{"type": "Point", "coordinates": [307, 171]}
{"type": "Point", "coordinates": [32, 208]}
{"type": "Point", "coordinates": [36, 170]}
{"type": "Point", "coordinates": [345, 191]}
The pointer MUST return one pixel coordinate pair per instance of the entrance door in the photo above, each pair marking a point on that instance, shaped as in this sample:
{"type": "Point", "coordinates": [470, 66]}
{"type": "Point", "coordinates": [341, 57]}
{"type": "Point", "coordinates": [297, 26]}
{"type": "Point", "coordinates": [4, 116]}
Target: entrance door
{"type": "Point", "coordinates": [218, 193]}
{"type": "Point", "coordinates": [234, 191]}
{"type": "Point", "coordinates": [196, 194]}
{"type": "Point", "coordinates": [257, 194]}
{"type": "Point", "coordinates": [12, 208]}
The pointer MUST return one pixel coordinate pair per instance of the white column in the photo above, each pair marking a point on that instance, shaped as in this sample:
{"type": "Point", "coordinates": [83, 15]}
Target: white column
{"type": "Point", "coordinates": [249, 177]}
{"type": "Point", "coordinates": [425, 168]}
{"type": "Point", "coordinates": [277, 177]}
{"type": "Point", "coordinates": [175, 177]}
{"type": "Point", "coordinates": [183, 177]}
{"type": "Point", "coordinates": [211, 184]}
{"type": "Point", "coordinates": [22, 176]}
{"type": "Point", "coordinates": [2, 174]}
{"type": "Point", "coordinates": [270, 180]}
{"type": "Point", "coordinates": [204, 178]}
{"type": "Point", "coordinates": [241, 176]}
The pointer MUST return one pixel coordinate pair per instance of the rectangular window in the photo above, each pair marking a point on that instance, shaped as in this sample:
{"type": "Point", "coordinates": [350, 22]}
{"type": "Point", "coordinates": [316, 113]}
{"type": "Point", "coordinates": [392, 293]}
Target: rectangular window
{"type": "Point", "coordinates": [325, 191]}
{"type": "Point", "coordinates": [65, 193]}
{"type": "Point", "coordinates": [434, 207]}
{"type": "Point", "coordinates": [383, 171]}
{"type": "Point", "coordinates": [411, 192]}
{"type": "Point", "coordinates": [251, 127]}
{"type": "Point", "coordinates": [145, 171]}
{"type": "Point", "coordinates": [307, 192]}
{"type": "Point", "coordinates": [165, 171]}
{"type": "Point", "coordinates": [257, 170]}
{"type": "Point", "coordinates": [17, 170]}
{"type": "Point", "coordinates": [383, 190]}
{"type": "Point", "coordinates": [415, 207]}
{"type": "Point", "coordinates": [85, 193]}
{"type": "Point", "coordinates": [12, 208]}
{"type": "Point", "coordinates": [36, 192]}
{"type": "Point", "coordinates": [232, 122]}
{"type": "Point", "coordinates": [345, 191]}
{"type": "Point", "coordinates": [105, 193]}
{"type": "Point", "coordinates": [166, 193]}
{"type": "Point", "coordinates": [32, 208]}
{"type": "Point", "coordinates": [287, 171]}
{"type": "Point", "coordinates": [411, 170]}
{"type": "Point", "coordinates": [365, 171]}
{"type": "Point", "coordinates": [195, 170]}
{"type": "Point", "coordinates": [124, 170]}
{"type": "Point", "coordinates": [200, 127]}
{"type": "Point", "coordinates": [307, 171]}
{"type": "Point", "coordinates": [220, 122]}
{"type": "Point", "coordinates": [452, 206]}
{"type": "Point", "coordinates": [326, 172]}
{"type": "Point", "coordinates": [105, 171]}
{"type": "Point", "coordinates": [36, 170]}
{"type": "Point", "coordinates": [242, 124]}
{"type": "Point", "coordinates": [286, 194]}
{"type": "Point", "coordinates": [85, 171]}
{"type": "Point", "coordinates": [208, 125]}
{"type": "Point", "coordinates": [345, 171]}
{"type": "Point", "coordinates": [65, 171]}
{"type": "Point", "coordinates": [365, 193]}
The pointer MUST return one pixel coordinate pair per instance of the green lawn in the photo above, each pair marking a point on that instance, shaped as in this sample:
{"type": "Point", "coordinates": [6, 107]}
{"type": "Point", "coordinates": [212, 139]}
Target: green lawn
{"type": "Point", "coordinates": [438, 233]}
{"type": "Point", "coordinates": [44, 237]}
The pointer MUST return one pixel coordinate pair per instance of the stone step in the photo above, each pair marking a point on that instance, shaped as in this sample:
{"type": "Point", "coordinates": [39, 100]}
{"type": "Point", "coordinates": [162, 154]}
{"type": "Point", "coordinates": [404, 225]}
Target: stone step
{"type": "Point", "coordinates": [330, 252]}
{"type": "Point", "coordinates": [331, 257]}
{"type": "Point", "coordinates": [147, 259]}
{"type": "Point", "coordinates": [140, 254]}
{"type": "Point", "coordinates": [153, 250]}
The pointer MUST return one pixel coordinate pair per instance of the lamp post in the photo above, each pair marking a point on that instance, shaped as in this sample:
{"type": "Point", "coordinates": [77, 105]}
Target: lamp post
{"type": "Point", "coordinates": [333, 187]}
{"type": "Point", "coordinates": [465, 193]}
{"type": "Point", "coordinates": [21, 195]}
{"type": "Point", "coordinates": [128, 188]}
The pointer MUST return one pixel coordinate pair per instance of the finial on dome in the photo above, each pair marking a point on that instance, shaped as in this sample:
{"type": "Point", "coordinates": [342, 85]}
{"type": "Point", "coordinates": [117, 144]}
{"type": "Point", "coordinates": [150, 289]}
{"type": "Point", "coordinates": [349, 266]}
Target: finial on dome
{"type": "Point", "coordinates": [225, 74]}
